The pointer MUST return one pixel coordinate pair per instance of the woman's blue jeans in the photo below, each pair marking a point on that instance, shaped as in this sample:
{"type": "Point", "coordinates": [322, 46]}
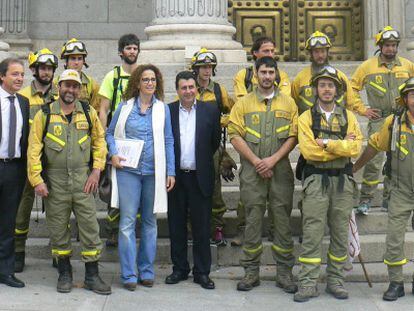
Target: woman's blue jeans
{"type": "Point", "coordinates": [136, 194]}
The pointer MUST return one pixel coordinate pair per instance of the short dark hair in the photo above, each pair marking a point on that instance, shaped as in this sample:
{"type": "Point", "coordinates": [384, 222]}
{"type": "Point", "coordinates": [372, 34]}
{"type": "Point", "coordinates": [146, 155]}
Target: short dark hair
{"type": "Point", "coordinates": [259, 42]}
{"type": "Point", "coordinates": [5, 64]}
{"type": "Point", "coordinates": [268, 61]}
{"type": "Point", "coordinates": [184, 75]}
{"type": "Point", "coordinates": [127, 39]}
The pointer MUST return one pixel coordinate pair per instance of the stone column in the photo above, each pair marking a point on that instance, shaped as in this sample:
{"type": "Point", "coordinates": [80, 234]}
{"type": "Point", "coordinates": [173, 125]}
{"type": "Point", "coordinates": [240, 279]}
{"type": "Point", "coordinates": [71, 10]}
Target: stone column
{"type": "Point", "coordinates": [14, 16]}
{"type": "Point", "coordinates": [4, 47]}
{"type": "Point", "coordinates": [180, 26]}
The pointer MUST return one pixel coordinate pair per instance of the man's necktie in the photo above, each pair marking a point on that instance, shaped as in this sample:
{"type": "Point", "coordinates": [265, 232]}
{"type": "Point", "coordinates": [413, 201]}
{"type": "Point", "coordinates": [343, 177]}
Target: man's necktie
{"type": "Point", "coordinates": [12, 128]}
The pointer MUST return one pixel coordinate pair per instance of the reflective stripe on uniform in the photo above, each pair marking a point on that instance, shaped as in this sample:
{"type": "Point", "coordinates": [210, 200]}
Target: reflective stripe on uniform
{"type": "Point", "coordinates": [396, 263]}
{"type": "Point", "coordinates": [282, 128]}
{"type": "Point", "coordinates": [253, 132]}
{"type": "Point", "coordinates": [338, 259]}
{"type": "Point", "coordinates": [282, 250]}
{"type": "Point", "coordinates": [30, 121]}
{"type": "Point", "coordinates": [310, 260]}
{"type": "Point", "coordinates": [91, 253]}
{"type": "Point", "coordinates": [21, 232]}
{"type": "Point", "coordinates": [80, 141]}
{"type": "Point", "coordinates": [370, 183]}
{"type": "Point", "coordinates": [378, 87]}
{"type": "Point", "coordinates": [111, 219]}
{"type": "Point", "coordinates": [403, 150]}
{"type": "Point", "coordinates": [253, 250]}
{"type": "Point", "coordinates": [37, 167]}
{"type": "Point", "coordinates": [61, 252]}
{"type": "Point", "coordinates": [307, 102]}
{"type": "Point", "coordinates": [55, 139]}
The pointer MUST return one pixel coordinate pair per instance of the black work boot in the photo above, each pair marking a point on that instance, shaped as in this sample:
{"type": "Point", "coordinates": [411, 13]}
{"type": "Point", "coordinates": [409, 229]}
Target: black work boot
{"type": "Point", "coordinates": [93, 281]}
{"type": "Point", "coordinates": [19, 261]}
{"type": "Point", "coordinates": [64, 284]}
{"type": "Point", "coordinates": [394, 291]}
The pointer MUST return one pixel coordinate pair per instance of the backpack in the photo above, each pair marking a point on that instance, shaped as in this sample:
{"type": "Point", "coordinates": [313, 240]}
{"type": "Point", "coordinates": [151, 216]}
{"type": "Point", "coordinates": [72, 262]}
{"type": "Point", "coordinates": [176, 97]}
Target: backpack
{"type": "Point", "coordinates": [316, 129]}
{"type": "Point", "coordinates": [115, 84]}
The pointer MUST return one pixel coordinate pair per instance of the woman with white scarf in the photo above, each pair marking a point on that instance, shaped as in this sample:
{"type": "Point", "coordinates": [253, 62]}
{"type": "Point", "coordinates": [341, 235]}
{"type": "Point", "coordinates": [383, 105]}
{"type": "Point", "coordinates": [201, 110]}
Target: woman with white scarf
{"type": "Point", "coordinates": [142, 189]}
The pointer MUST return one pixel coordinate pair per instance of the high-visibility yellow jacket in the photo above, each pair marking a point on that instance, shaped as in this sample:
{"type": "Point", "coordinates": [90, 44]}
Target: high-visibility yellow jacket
{"type": "Point", "coordinates": [240, 87]}
{"type": "Point", "coordinates": [37, 98]}
{"type": "Point", "coordinates": [207, 95]}
{"type": "Point", "coordinates": [304, 94]}
{"type": "Point", "coordinates": [381, 81]}
{"type": "Point", "coordinates": [67, 146]}
{"type": "Point", "coordinates": [338, 151]}
{"type": "Point", "coordinates": [89, 90]}
{"type": "Point", "coordinates": [263, 126]}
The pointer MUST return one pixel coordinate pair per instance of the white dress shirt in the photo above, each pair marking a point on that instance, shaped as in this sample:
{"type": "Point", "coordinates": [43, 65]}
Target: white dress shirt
{"type": "Point", "coordinates": [5, 121]}
{"type": "Point", "coordinates": [187, 121]}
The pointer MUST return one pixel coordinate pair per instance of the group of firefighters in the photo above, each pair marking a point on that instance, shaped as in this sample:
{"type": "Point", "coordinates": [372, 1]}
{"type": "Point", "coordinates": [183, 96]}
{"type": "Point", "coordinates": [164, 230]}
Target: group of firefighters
{"type": "Point", "coordinates": [268, 118]}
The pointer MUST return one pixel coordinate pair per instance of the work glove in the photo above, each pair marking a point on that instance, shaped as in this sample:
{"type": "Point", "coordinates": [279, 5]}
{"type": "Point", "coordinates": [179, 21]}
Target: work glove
{"type": "Point", "coordinates": [227, 165]}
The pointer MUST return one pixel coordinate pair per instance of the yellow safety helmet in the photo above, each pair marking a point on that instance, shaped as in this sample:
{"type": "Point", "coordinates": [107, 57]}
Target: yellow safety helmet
{"type": "Point", "coordinates": [43, 56]}
{"type": "Point", "coordinates": [404, 88]}
{"type": "Point", "coordinates": [318, 40]}
{"type": "Point", "coordinates": [387, 34]}
{"type": "Point", "coordinates": [204, 57]}
{"type": "Point", "coordinates": [73, 47]}
{"type": "Point", "coordinates": [329, 72]}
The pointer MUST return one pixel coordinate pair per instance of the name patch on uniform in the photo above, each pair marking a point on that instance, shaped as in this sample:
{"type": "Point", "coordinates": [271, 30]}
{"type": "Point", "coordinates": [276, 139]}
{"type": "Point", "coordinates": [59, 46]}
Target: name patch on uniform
{"type": "Point", "coordinates": [378, 79]}
{"type": "Point", "coordinates": [308, 92]}
{"type": "Point", "coordinates": [401, 75]}
{"type": "Point", "coordinates": [57, 130]}
{"type": "Point", "coordinates": [282, 114]}
{"type": "Point", "coordinates": [82, 125]}
{"type": "Point", "coordinates": [403, 139]}
{"type": "Point", "coordinates": [255, 119]}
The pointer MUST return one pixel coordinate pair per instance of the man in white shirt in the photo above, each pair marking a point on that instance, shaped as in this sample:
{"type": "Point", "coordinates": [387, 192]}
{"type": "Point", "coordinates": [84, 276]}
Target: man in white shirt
{"type": "Point", "coordinates": [14, 130]}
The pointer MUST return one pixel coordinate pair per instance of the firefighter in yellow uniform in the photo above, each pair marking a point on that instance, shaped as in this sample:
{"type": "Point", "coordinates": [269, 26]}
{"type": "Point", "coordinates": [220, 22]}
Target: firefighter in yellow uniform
{"type": "Point", "coordinates": [204, 65]}
{"type": "Point", "coordinates": [263, 130]}
{"type": "Point", "coordinates": [74, 53]}
{"type": "Point", "coordinates": [244, 82]}
{"type": "Point", "coordinates": [396, 137]}
{"type": "Point", "coordinates": [67, 152]}
{"type": "Point", "coordinates": [329, 136]}
{"type": "Point", "coordinates": [246, 78]}
{"type": "Point", "coordinates": [382, 76]}
{"type": "Point", "coordinates": [41, 91]}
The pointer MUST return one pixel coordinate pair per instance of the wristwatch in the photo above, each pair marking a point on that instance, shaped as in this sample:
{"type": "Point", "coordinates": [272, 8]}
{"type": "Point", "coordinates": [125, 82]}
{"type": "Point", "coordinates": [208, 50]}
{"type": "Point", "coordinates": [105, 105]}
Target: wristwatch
{"type": "Point", "coordinates": [325, 143]}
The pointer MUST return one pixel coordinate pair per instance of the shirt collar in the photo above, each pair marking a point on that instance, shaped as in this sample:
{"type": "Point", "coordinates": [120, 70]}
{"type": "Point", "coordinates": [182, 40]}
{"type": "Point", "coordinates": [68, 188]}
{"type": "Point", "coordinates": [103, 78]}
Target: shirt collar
{"type": "Point", "coordinates": [261, 98]}
{"type": "Point", "coordinates": [193, 107]}
{"type": "Point", "coordinates": [395, 62]}
{"type": "Point", "coordinates": [210, 87]}
{"type": "Point", "coordinates": [4, 93]}
{"type": "Point", "coordinates": [138, 101]}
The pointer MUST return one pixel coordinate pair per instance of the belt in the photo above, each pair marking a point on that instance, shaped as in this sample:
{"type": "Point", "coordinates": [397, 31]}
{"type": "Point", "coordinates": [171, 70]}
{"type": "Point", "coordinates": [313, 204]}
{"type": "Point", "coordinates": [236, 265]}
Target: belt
{"type": "Point", "coordinates": [310, 170]}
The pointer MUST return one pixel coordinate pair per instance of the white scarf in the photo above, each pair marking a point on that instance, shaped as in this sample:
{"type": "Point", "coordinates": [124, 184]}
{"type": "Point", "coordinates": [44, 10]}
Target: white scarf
{"type": "Point", "coordinates": [158, 117]}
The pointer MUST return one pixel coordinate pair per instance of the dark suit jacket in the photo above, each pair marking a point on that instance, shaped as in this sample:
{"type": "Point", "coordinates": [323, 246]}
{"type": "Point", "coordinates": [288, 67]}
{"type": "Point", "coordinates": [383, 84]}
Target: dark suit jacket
{"type": "Point", "coordinates": [207, 140]}
{"type": "Point", "coordinates": [24, 107]}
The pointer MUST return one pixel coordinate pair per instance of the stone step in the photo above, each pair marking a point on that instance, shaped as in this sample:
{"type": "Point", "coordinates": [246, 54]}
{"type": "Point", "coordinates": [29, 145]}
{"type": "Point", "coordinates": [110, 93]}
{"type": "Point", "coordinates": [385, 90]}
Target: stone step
{"type": "Point", "coordinates": [375, 222]}
{"type": "Point", "coordinates": [372, 250]}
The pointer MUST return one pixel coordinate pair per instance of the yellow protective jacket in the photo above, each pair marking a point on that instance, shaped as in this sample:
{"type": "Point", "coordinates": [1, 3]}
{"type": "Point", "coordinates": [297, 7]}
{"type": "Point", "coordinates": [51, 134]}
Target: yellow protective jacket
{"type": "Point", "coordinates": [67, 146]}
{"type": "Point", "coordinates": [338, 151]}
{"type": "Point", "coordinates": [381, 82]}
{"type": "Point", "coordinates": [207, 95]}
{"type": "Point", "coordinates": [89, 90]}
{"type": "Point", "coordinates": [263, 127]}
{"type": "Point", "coordinates": [304, 95]}
{"type": "Point", "coordinates": [240, 87]}
{"type": "Point", "coordinates": [37, 98]}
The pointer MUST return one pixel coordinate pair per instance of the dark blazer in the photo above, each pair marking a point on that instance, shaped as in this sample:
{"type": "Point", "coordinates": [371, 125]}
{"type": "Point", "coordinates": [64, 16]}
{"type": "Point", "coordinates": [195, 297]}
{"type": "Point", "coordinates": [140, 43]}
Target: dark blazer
{"type": "Point", "coordinates": [24, 108]}
{"type": "Point", "coordinates": [207, 140]}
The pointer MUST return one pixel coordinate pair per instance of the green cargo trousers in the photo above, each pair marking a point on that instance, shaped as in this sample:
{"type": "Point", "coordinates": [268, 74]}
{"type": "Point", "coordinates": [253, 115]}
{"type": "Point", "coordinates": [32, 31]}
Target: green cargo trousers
{"type": "Point", "coordinates": [324, 203]}
{"type": "Point", "coordinates": [23, 218]}
{"type": "Point", "coordinates": [399, 212]}
{"type": "Point", "coordinates": [278, 192]}
{"type": "Point", "coordinates": [373, 169]}
{"type": "Point", "coordinates": [66, 195]}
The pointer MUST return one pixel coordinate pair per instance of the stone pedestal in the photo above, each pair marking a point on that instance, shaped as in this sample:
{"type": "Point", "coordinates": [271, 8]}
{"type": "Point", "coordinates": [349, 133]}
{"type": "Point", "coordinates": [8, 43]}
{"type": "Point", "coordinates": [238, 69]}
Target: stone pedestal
{"type": "Point", "coordinates": [14, 20]}
{"type": "Point", "coordinates": [182, 26]}
{"type": "Point", "coordinates": [4, 47]}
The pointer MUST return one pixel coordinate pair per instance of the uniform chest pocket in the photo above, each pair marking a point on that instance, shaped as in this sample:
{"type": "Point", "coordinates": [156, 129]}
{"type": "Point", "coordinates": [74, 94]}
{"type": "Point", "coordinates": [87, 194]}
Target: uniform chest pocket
{"type": "Point", "coordinates": [54, 143]}
{"type": "Point", "coordinates": [376, 89]}
{"type": "Point", "coordinates": [282, 124]}
{"type": "Point", "coordinates": [401, 151]}
{"type": "Point", "coordinates": [252, 135]}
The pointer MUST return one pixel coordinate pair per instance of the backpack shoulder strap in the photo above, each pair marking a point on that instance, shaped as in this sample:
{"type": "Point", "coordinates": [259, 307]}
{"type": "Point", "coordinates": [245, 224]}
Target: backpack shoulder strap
{"type": "Point", "coordinates": [115, 82]}
{"type": "Point", "coordinates": [86, 109]}
{"type": "Point", "coordinates": [46, 112]}
{"type": "Point", "coordinates": [248, 78]}
{"type": "Point", "coordinates": [316, 121]}
{"type": "Point", "coordinates": [219, 96]}
{"type": "Point", "coordinates": [344, 128]}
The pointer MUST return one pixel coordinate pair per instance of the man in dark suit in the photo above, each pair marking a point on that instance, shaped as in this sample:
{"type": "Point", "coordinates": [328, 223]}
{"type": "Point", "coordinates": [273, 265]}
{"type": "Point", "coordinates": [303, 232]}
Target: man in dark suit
{"type": "Point", "coordinates": [196, 129]}
{"type": "Point", "coordinates": [14, 131]}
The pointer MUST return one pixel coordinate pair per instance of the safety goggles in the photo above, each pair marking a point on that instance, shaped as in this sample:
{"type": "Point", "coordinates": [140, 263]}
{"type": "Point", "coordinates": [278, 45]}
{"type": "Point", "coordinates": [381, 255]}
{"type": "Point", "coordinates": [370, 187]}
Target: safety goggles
{"type": "Point", "coordinates": [390, 34]}
{"type": "Point", "coordinates": [330, 70]}
{"type": "Point", "coordinates": [45, 58]}
{"type": "Point", "coordinates": [72, 46]}
{"type": "Point", "coordinates": [208, 56]}
{"type": "Point", "coordinates": [323, 41]}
